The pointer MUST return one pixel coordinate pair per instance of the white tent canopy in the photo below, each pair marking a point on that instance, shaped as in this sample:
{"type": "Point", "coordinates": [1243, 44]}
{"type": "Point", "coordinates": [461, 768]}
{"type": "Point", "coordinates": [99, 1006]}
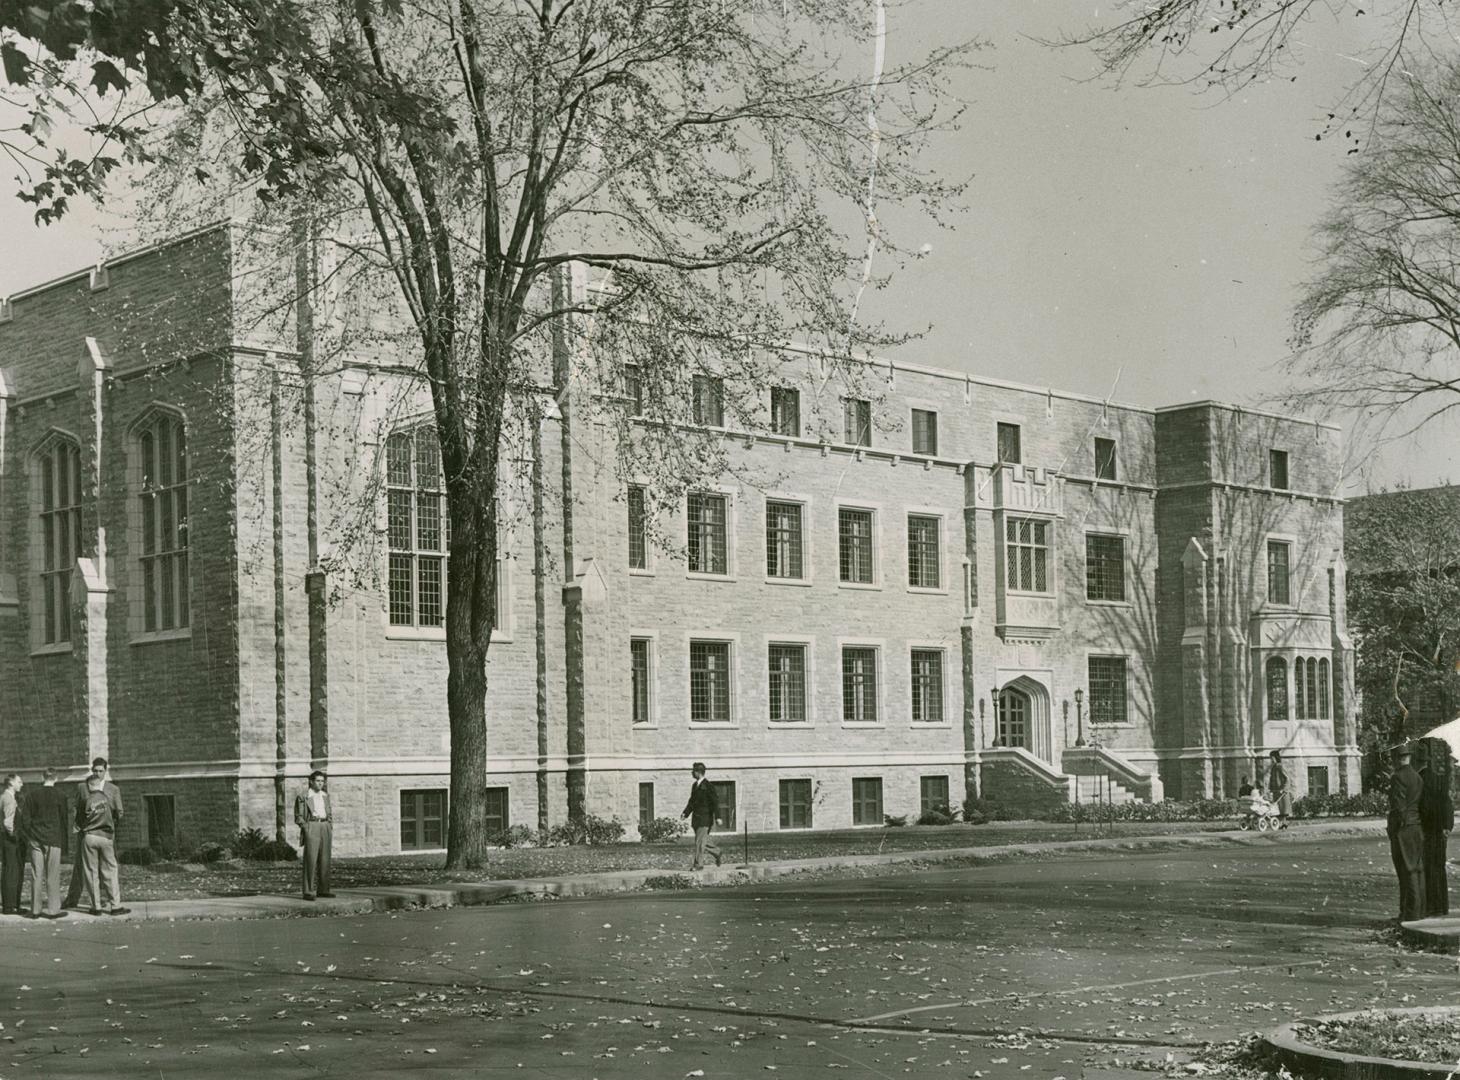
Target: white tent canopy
{"type": "Point", "coordinates": [1450, 732]}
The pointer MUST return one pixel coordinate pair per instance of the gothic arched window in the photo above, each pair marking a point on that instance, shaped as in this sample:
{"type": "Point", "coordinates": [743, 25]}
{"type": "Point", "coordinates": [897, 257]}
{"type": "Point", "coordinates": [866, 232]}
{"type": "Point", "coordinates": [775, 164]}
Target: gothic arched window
{"type": "Point", "coordinates": [1277, 688]}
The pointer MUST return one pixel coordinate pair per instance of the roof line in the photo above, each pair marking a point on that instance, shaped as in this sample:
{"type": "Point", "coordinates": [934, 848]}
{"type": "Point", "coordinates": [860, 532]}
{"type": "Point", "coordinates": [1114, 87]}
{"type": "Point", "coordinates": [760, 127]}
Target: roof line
{"type": "Point", "coordinates": [128, 256]}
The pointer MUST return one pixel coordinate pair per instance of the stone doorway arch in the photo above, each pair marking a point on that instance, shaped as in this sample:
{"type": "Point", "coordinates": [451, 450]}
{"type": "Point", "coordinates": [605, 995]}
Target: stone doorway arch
{"type": "Point", "coordinates": [1023, 717]}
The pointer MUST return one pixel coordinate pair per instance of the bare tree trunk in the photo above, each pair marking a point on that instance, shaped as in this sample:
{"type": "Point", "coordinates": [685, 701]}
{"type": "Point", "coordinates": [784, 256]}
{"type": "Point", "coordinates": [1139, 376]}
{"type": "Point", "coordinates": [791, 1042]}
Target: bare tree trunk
{"type": "Point", "coordinates": [466, 706]}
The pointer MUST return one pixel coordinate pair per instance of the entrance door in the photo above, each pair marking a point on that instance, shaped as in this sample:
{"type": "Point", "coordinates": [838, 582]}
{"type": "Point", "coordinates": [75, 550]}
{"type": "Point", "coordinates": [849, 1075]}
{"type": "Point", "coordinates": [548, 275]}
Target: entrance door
{"type": "Point", "coordinates": [1014, 719]}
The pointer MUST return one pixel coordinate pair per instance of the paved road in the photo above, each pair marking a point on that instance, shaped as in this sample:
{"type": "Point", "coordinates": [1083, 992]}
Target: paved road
{"type": "Point", "coordinates": [1042, 968]}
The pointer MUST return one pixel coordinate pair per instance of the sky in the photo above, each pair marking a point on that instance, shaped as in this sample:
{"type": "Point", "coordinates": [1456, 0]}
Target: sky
{"type": "Point", "coordinates": [1143, 243]}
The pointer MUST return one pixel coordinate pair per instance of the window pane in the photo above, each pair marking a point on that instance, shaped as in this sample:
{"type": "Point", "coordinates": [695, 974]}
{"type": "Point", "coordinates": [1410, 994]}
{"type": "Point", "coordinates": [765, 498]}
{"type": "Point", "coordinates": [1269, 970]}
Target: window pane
{"type": "Point", "coordinates": [707, 553]}
{"type": "Point", "coordinates": [855, 555]}
{"type": "Point", "coordinates": [709, 681]}
{"type": "Point", "coordinates": [1277, 688]}
{"type": "Point", "coordinates": [1277, 572]}
{"type": "Point", "coordinates": [725, 795]}
{"type": "Point", "coordinates": [1107, 677]}
{"type": "Point", "coordinates": [932, 793]}
{"type": "Point", "coordinates": [923, 563]}
{"type": "Point", "coordinates": [866, 801]}
{"type": "Point", "coordinates": [639, 666]}
{"type": "Point", "coordinates": [428, 522]}
{"type": "Point", "coordinates": [924, 431]}
{"type": "Point", "coordinates": [646, 803]}
{"type": "Point", "coordinates": [1277, 468]}
{"type": "Point", "coordinates": [428, 458]}
{"type": "Point", "coordinates": [398, 520]}
{"type": "Point", "coordinates": [785, 411]}
{"type": "Point", "coordinates": [783, 540]}
{"type": "Point", "coordinates": [638, 530]}
{"type": "Point", "coordinates": [400, 591]}
{"type": "Point", "coordinates": [1104, 567]}
{"type": "Point", "coordinates": [859, 686]}
{"type": "Point", "coordinates": [1105, 459]}
{"type": "Point", "coordinates": [496, 809]}
{"type": "Point", "coordinates": [795, 804]}
{"type": "Point", "coordinates": [430, 608]}
{"type": "Point", "coordinates": [787, 683]}
{"type": "Point", "coordinates": [149, 460]}
{"type": "Point", "coordinates": [398, 460]}
{"type": "Point", "coordinates": [927, 686]}
{"type": "Point", "coordinates": [184, 613]}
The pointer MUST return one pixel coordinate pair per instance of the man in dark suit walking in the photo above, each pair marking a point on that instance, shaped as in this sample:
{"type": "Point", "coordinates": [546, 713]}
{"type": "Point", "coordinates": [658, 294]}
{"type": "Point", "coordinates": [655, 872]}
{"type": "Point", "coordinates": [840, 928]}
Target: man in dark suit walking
{"type": "Point", "coordinates": [1406, 838]}
{"type": "Point", "coordinates": [701, 810]}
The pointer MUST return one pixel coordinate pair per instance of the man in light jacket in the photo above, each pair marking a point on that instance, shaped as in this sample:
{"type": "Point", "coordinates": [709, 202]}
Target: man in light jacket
{"type": "Point", "coordinates": [313, 815]}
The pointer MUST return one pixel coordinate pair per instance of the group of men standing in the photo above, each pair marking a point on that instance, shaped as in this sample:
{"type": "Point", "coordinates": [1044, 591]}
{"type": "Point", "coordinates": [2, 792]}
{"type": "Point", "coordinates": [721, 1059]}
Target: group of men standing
{"type": "Point", "coordinates": [1421, 817]}
{"type": "Point", "coordinates": [38, 823]}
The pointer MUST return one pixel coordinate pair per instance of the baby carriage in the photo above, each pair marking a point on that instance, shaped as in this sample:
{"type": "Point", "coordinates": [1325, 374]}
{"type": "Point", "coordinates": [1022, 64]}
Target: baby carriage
{"type": "Point", "coordinates": [1259, 812]}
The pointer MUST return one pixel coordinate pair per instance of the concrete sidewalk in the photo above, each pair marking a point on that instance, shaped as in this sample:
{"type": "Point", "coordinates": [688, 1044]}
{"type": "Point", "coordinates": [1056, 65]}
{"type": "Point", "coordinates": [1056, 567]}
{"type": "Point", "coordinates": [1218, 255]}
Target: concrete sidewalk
{"type": "Point", "coordinates": [362, 901]}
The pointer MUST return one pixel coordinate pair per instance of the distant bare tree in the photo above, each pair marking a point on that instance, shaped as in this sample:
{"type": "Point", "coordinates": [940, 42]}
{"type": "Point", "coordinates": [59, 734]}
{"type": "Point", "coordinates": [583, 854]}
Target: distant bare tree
{"type": "Point", "coordinates": [1378, 328]}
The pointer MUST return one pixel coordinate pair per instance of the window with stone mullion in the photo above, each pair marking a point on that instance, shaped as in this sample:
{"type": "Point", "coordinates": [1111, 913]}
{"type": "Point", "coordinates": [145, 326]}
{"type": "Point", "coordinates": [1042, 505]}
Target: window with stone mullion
{"type": "Point", "coordinates": [418, 529]}
{"type": "Point", "coordinates": [1027, 550]}
{"type": "Point", "coordinates": [707, 534]}
{"type": "Point", "coordinates": [787, 677]}
{"type": "Point", "coordinates": [927, 686]}
{"type": "Point", "coordinates": [164, 505]}
{"type": "Point", "coordinates": [61, 538]}
{"type": "Point", "coordinates": [783, 540]}
{"type": "Point", "coordinates": [922, 552]}
{"type": "Point", "coordinates": [709, 682]}
{"type": "Point", "coordinates": [855, 554]}
{"type": "Point", "coordinates": [859, 686]}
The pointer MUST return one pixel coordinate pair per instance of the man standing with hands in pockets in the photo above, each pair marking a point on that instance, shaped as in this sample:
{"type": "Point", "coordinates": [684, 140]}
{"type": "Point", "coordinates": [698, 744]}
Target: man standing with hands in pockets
{"type": "Point", "coordinates": [701, 810]}
{"type": "Point", "coordinates": [316, 821]}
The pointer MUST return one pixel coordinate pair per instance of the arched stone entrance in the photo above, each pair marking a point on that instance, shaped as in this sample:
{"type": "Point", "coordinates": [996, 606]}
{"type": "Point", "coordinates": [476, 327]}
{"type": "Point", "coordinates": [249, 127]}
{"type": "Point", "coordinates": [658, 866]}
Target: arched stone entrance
{"type": "Point", "coordinates": [1023, 718]}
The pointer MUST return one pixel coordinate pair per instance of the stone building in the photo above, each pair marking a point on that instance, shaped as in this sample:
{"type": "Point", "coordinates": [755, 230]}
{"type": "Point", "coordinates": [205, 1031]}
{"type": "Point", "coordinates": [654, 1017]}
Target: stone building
{"type": "Point", "coordinates": [941, 587]}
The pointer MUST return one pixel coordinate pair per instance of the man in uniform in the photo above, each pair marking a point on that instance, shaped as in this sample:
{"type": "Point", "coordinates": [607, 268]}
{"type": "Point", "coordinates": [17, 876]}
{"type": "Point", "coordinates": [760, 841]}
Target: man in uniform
{"type": "Point", "coordinates": [1406, 839]}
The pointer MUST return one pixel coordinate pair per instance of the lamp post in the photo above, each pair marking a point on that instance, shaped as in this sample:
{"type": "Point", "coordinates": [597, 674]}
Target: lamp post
{"type": "Point", "coordinates": [1079, 717]}
{"type": "Point", "coordinates": [983, 741]}
{"type": "Point", "coordinates": [1066, 704]}
{"type": "Point", "coordinates": [998, 736]}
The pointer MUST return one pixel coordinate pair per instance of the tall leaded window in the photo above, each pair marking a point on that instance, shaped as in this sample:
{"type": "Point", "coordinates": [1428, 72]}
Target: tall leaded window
{"type": "Point", "coordinates": [1324, 698]}
{"type": "Point", "coordinates": [1300, 679]}
{"type": "Point", "coordinates": [783, 552]}
{"type": "Point", "coordinates": [162, 448]}
{"type": "Point", "coordinates": [707, 552]}
{"type": "Point", "coordinates": [1105, 459]}
{"type": "Point", "coordinates": [924, 431]}
{"type": "Point", "coordinates": [1277, 688]}
{"type": "Point", "coordinates": [59, 469]}
{"type": "Point", "coordinates": [1107, 677]}
{"type": "Point", "coordinates": [638, 529]}
{"type": "Point", "coordinates": [857, 421]}
{"type": "Point", "coordinates": [709, 681]}
{"type": "Point", "coordinates": [787, 683]}
{"type": "Point", "coordinates": [927, 686]}
{"type": "Point", "coordinates": [708, 400]}
{"type": "Point", "coordinates": [859, 686]}
{"type": "Point", "coordinates": [1027, 554]}
{"type": "Point", "coordinates": [854, 540]}
{"type": "Point", "coordinates": [639, 679]}
{"type": "Point", "coordinates": [418, 528]}
{"type": "Point", "coordinates": [1311, 688]}
{"type": "Point", "coordinates": [923, 562]}
{"type": "Point", "coordinates": [1278, 591]}
{"type": "Point", "coordinates": [1104, 567]}
{"type": "Point", "coordinates": [785, 411]}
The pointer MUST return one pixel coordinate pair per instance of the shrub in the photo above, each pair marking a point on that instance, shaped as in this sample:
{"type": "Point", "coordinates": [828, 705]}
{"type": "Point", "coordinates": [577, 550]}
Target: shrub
{"type": "Point", "coordinates": [1335, 805]}
{"type": "Point", "coordinates": [591, 830]}
{"type": "Point", "coordinates": [660, 829]}
{"type": "Point", "coordinates": [137, 856]}
{"type": "Point", "coordinates": [938, 815]}
{"type": "Point", "coordinates": [981, 811]}
{"type": "Point", "coordinates": [670, 881]}
{"type": "Point", "coordinates": [248, 842]}
{"type": "Point", "coordinates": [210, 853]}
{"type": "Point", "coordinates": [896, 822]}
{"type": "Point", "coordinates": [275, 851]}
{"type": "Point", "coordinates": [513, 836]}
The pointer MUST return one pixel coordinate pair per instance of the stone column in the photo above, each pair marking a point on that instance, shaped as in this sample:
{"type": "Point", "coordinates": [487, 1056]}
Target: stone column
{"type": "Point", "coordinates": [1196, 764]}
{"type": "Point", "coordinates": [90, 588]}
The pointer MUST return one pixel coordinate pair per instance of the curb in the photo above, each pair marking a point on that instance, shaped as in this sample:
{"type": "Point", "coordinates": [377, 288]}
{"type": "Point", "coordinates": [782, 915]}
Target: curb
{"type": "Point", "coordinates": [386, 898]}
{"type": "Point", "coordinates": [1441, 934]}
{"type": "Point", "coordinates": [1312, 1060]}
